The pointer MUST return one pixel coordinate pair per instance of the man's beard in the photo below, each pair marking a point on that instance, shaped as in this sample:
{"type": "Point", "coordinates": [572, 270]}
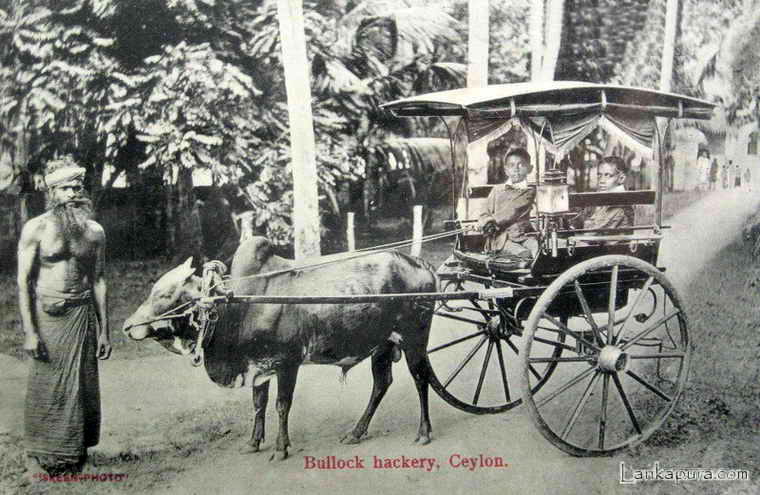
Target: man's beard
{"type": "Point", "coordinates": [73, 216]}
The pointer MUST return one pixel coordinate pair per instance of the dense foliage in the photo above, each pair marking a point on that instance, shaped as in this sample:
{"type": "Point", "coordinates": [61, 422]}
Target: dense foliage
{"type": "Point", "coordinates": [166, 85]}
{"type": "Point", "coordinates": [173, 84]}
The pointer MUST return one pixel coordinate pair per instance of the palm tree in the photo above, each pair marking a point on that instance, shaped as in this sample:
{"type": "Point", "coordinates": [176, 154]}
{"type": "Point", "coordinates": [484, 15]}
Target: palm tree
{"type": "Point", "coordinates": [729, 74]}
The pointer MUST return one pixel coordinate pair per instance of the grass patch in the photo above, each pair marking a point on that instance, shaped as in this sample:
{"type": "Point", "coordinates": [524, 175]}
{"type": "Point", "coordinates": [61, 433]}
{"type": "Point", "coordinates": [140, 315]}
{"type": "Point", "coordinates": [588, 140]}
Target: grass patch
{"type": "Point", "coordinates": [716, 422]}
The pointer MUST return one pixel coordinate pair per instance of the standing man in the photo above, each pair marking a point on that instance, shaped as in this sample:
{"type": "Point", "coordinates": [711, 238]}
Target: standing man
{"type": "Point", "coordinates": [62, 299]}
{"type": "Point", "coordinates": [506, 220]}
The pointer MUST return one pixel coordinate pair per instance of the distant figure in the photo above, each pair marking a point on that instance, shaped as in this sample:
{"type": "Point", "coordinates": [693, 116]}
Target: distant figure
{"type": "Point", "coordinates": [724, 177]}
{"type": "Point", "coordinates": [747, 180]}
{"type": "Point", "coordinates": [737, 175]}
{"type": "Point", "coordinates": [714, 167]}
{"type": "Point", "coordinates": [703, 169]}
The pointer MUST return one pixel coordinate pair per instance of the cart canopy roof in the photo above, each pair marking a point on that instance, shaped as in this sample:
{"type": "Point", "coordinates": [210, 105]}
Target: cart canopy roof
{"type": "Point", "coordinates": [551, 98]}
{"type": "Point", "coordinates": [562, 112]}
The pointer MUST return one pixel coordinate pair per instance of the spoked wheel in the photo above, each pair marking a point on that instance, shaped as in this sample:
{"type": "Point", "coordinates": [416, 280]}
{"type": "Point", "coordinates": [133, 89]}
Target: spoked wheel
{"type": "Point", "coordinates": [473, 352]}
{"type": "Point", "coordinates": [626, 355]}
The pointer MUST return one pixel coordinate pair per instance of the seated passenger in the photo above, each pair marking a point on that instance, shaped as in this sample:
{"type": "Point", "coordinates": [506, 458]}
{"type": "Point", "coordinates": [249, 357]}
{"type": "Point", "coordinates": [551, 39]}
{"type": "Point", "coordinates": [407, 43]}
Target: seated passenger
{"type": "Point", "coordinates": [507, 217]}
{"type": "Point", "coordinates": [611, 178]}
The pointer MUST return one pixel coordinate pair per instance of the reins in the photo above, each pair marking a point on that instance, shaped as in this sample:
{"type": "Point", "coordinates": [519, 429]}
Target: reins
{"type": "Point", "coordinates": [168, 314]}
{"type": "Point", "coordinates": [359, 253]}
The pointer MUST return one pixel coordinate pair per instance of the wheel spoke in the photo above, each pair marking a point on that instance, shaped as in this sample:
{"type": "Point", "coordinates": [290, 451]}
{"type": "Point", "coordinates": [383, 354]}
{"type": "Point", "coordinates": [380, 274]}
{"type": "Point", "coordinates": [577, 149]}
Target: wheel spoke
{"type": "Point", "coordinates": [564, 387]}
{"type": "Point", "coordinates": [664, 355]}
{"type": "Point", "coordinates": [603, 415]}
{"type": "Point", "coordinates": [553, 343]}
{"type": "Point", "coordinates": [572, 333]}
{"type": "Point", "coordinates": [649, 330]}
{"type": "Point", "coordinates": [578, 359]}
{"type": "Point", "coordinates": [455, 342]}
{"type": "Point", "coordinates": [461, 318]}
{"type": "Point", "coordinates": [482, 377]}
{"type": "Point", "coordinates": [648, 385]}
{"type": "Point", "coordinates": [530, 366]}
{"type": "Point", "coordinates": [639, 297]}
{"type": "Point", "coordinates": [579, 406]}
{"type": "Point", "coordinates": [611, 308]}
{"type": "Point", "coordinates": [503, 370]}
{"type": "Point", "coordinates": [627, 404]}
{"type": "Point", "coordinates": [587, 311]}
{"type": "Point", "coordinates": [467, 359]}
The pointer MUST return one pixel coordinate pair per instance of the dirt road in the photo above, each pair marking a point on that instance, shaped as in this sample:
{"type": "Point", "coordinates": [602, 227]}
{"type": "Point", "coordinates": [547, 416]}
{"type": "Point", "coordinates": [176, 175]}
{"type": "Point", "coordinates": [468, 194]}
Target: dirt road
{"type": "Point", "coordinates": [142, 398]}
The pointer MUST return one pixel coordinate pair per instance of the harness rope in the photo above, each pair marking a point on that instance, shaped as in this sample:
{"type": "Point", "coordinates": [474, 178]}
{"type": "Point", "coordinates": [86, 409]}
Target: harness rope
{"type": "Point", "coordinates": [168, 315]}
{"type": "Point", "coordinates": [360, 253]}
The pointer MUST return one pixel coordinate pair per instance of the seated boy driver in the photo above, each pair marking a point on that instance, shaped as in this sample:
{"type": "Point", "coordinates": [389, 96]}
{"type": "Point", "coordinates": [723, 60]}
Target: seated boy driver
{"type": "Point", "coordinates": [507, 217]}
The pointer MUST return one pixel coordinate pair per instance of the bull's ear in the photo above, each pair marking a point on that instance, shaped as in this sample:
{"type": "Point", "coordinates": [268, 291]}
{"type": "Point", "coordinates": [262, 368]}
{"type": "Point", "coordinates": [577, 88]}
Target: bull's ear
{"type": "Point", "coordinates": [187, 269]}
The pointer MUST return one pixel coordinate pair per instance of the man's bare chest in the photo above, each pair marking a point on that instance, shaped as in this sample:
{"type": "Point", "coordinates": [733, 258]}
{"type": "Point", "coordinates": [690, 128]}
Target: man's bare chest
{"type": "Point", "coordinates": [56, 246]}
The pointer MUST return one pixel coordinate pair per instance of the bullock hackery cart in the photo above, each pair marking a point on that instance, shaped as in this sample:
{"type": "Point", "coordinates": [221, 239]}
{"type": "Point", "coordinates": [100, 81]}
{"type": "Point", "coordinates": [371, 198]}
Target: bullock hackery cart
{"type": "Point", "coordinates": [590, 335]}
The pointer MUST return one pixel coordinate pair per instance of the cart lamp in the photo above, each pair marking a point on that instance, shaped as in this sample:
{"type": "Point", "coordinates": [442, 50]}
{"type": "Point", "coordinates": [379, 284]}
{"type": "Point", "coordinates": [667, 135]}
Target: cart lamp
{"type": "Point", "coordinates": [552, 193]}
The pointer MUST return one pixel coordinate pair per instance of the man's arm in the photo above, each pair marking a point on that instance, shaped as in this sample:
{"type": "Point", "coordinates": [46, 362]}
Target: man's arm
{"type": "Point", "coordinates": [486, 220]}
{"type": "Point", "coordinates": [27, 256]}
{"type": "Point", "coordinates": [514, 207]}
{"type": "Point", "coordinates": [100, 292]}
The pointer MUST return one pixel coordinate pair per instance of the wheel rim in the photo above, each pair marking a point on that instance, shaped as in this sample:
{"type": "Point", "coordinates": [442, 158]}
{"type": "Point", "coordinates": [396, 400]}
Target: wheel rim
{"type": "Point", "coordinates": [474, 362]}
{"type": "Point", "coordinates": [629, 361]}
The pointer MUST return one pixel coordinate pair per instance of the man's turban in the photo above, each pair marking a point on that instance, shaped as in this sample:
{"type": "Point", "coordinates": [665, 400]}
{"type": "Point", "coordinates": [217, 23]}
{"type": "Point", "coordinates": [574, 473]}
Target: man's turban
{"type": "Point", "coordinates": [63, 175]}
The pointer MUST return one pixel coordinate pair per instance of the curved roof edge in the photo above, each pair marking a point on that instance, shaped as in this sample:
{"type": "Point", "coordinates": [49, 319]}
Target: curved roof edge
{"type": "Point", "coordinates": [550, 98]}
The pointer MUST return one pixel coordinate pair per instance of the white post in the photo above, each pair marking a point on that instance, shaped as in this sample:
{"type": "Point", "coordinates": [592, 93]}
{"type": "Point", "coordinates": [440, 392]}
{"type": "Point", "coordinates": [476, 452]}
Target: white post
{"type": "Point", "coordinates": [350, 231]}
{"type": "Point", "coordinates": [417, 231]}
{"type": "Point", "coordinates": [302, 145]}
{"type": "Point", "coordinates": [536, 38]}
{"type": "Point", "coordinates": [477, 44]}
{"type": "Point", "coordinates": [552, 38]}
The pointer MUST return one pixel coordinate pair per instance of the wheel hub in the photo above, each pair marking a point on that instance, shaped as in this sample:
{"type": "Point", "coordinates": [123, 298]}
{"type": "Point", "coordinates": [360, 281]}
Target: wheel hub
{"type": "Point", "coordinates": [612, 359]}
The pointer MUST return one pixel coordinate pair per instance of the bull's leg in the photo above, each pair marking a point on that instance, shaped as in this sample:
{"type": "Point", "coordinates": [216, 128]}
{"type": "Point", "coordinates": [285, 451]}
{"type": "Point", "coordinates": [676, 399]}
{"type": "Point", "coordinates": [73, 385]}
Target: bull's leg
{"type": "Point", "coordinates": [418, 367]}
{"type": "Point", "coordinates": [382, 376]}
{"type": "Point", "coordinates": [286, 384]}
{"type": "Point", "coordinates": [260, 400]}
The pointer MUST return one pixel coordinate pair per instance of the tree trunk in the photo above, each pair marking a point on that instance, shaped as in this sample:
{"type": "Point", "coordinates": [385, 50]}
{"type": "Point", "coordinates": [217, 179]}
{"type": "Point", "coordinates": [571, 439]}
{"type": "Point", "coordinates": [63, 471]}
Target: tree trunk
{"type": "Point", "coordinates": [669, 45]}
{"type": "Point", "coordinates": [477, 44]}
{"type": "Point", "coordinates": [302, 145]}
{"type": "Point", "coordinates": [536, 38]}
{"type": "Point", "coordinates": [554, 19]}
{"type": "Point", "coordinates": [666, 82]}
